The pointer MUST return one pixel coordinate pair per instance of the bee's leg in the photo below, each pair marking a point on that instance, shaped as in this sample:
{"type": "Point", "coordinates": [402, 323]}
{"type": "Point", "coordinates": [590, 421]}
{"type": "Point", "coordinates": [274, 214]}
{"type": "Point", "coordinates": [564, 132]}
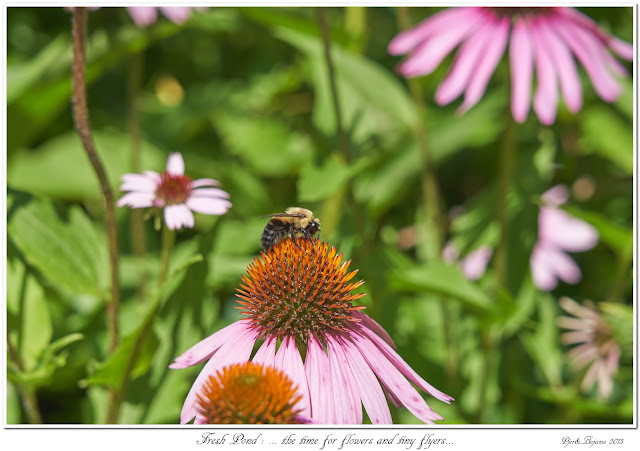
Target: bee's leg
{"type": "Point", "coordinates": [307, 235]}
{"type": "Point", "coordinates": [293, 238]}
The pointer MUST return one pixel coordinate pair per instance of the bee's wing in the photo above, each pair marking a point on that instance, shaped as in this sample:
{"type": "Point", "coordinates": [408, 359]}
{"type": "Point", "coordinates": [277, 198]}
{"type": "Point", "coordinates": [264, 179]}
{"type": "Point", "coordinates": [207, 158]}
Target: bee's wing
{"type": "Point", "coordinates": [283, 215]}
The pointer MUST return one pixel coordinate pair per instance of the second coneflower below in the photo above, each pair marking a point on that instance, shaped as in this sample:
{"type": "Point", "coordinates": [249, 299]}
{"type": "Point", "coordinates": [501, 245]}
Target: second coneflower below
{"type": "Point", "coordinates": [301, 297]}
{"type": "Point", "coordinates": [249, 393]}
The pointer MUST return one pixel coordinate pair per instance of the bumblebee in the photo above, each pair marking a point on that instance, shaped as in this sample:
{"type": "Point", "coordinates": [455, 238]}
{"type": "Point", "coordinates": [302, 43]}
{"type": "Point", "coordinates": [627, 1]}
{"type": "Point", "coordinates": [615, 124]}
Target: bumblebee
{"type": "Point", "coordinates": [295, 222]}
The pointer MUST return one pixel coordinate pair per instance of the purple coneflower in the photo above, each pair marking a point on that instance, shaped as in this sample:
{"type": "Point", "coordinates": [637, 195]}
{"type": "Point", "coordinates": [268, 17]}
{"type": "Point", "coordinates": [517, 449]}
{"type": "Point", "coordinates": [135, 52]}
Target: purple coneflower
{"type": "Point", "coordinates": [249, 393]}
{"type": "Point", "coordinates": [300, 296]}
{"type": "Point", "coordinates": [596, 348]}
{"type": "Point", "coordinates": [547, 38]}
{"type": "Point", "coordinates": [176, 193]}
{"type": "Point", "coordinates": [558, 233]}
{"type": "Point", "coordinates": [146, 15]}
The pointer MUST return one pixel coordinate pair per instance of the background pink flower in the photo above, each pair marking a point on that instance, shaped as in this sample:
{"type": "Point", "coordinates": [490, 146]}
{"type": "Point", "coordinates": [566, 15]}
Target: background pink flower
{"type": "Point", "coordinates": [559, 233]}
{"type": "Point", "coordinates": [596, 347]}
{"type": "Point", "coordinates": [176, 193]}
{"type": "Point", "coordinates": [474, 264]}
{"type": "Point", "coordinates": [146, 15]}
{"type": "Point", "coordinates": [546, 39]}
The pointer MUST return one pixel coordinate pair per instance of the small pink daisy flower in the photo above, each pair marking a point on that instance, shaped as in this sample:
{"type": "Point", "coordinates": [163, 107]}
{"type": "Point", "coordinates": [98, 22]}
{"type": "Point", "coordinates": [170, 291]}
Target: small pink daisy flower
{"type": "Point", "coordinates": [146, 15]}
{"type": "Point", "coordinates": [597, 348]}
{"type": "Point", "coordinates": [300, 295]}
{"type": "Point", "coordinates": [545, 38]}
{"type": "Point", "coordinates": [558, 233]}
{"type": "Point", "coordinates": [176, 193]}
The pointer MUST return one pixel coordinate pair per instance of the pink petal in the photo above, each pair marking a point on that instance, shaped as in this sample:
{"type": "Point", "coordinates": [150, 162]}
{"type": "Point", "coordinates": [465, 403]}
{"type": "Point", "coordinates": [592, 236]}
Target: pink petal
{"type": "Point", "coordinates": [408, 40]}
{"type": "Point", "coordinates": [266, 355]}
{"type": "Point", "coordinates": [175, 164]}
{"type": "Point", "coordinates": [349, 404]}
{"type": "Point", "coordinates": [426, 58]}
{"type": "Point", "coordinates": [204, 182]}
{"type": "Point", "coordinates": [394, 381]}
{"type": "Point", "coordinates": [153, 175]}
{"type": "Point", "coordinates": [369, 388]}
{"type": "Point", "coordinates": [567, 322]}
{"type": "Point", "coordinates": [567, 72]}
{"type": "Point", "coordinates": [622, 48]}
{"type": "Point", "coordinates": [177, 14]}
{"type": "Point", "coordinates": [136, 200]}
{"type": "Point", "coordinates": [177, 216]}
{"type": "Point", "coordinates": [210, 192]}
{"type": "Point", "coordinates": [545, 101]}
{"type": "Point", "coordinates": [465, 63]}
{"type": "Point", "coordinates": [231, 352]}
{"type": "Point", "coordinates": [404, 368]}
{"type": "Point", "coordinates": [316, 367]}
{"type": "Point", "coordinates": [543, 277]}
{"type": "Point", "coordinates": [487, 65]}
{"type": "Point", "coordinates": [582, 336]}
{"type": "Point", "coordinates": [521, 64]}
{"type": "Point", "coordinates": [370, 323]}
{"type": "Point", "coordinates": [559, 229]}
{"type": "Point", "coordinates": [143, 15]}
{"type": "Point", "coordinates": [137, 182]}
{"type": "Point", "coordinates": [208, 205]}
{"type": "Point", "coordinates": [590, 376]}
{"type": "Point", "coordinates": [556, 196]}
{"type": "Point", "coordinates": [582, 45]}
{"type": "Point", "coordinates": [562, 265]}
{"type": "Point", "coordinates": [582, 355]}
{"type": "Point", "coordinates": [204, 349]}
{"type": "Point", "coordinates": [288, 360]}
{"type": "Point", "coordinates": [475, 263]}
{"type": "Point", "coordinates": [450, 253]}
{"type": "Point", "coordinates": [576, 309]}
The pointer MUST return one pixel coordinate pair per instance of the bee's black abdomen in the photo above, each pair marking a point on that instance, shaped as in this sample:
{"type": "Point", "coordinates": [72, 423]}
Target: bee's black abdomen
{"type": "Point", "coordinates": [273, 232]}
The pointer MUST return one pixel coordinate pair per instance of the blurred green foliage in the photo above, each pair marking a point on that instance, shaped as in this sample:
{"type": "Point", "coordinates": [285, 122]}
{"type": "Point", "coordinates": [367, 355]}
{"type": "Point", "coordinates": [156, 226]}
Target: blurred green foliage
{"type": "Point", "coordinates": [243, 94]}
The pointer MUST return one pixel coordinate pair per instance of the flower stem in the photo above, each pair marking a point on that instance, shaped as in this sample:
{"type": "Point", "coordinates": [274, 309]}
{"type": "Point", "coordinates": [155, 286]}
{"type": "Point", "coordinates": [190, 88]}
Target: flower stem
{"type": "Point", "coordinates": [168, 240]}
{"type": "Point", "coordinates": [326, 40]}
{"type": "Point", "coordinates": [28, 395]}
{"type": "Point", "coordinates": [81, 118]}
{"type": "Point", "coordinates": [136, 218]}
{"type": "Point", "coordinates": [505, 176]}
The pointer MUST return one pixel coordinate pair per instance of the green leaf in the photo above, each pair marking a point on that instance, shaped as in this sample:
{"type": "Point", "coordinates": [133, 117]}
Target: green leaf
{"type": "Point", "coordinates": [226, 269]}
{"type": "Point", "coordinates": [26, 296]}
{"type": "Point", "coordinates": [319, 182]}
{"type": "Point", "coordinates": [542, 344]}
{"type": "Point", "coordinates": [111, 372]}
{"type": "Point", "coordinates": [239, 237]}
{"type": "Point", "coordinates": [619, 317]}
{"type": "Point", "coordinates": [525, 305]}
{"type": "Point", "coordinates": [48, 362]}
{"type": "Point", "coordinates": [372, 99]}
{"type": "Point", "coordinates": [604, 133]}
{"type": "Point", "coordinates": [265, 145]}
{"type": "Point", "coordinates": [142, 340]}
{"type": "Point", "coordinates": [68, 253]}
{"type": "Point", "coordinates": [443, 279]}
{"type": "Point", "coordinates": [22, 76]}
{"type": "Point", "coordinates": [13, 404]}
{"type": "Point", "coordinates": [60, 167]}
